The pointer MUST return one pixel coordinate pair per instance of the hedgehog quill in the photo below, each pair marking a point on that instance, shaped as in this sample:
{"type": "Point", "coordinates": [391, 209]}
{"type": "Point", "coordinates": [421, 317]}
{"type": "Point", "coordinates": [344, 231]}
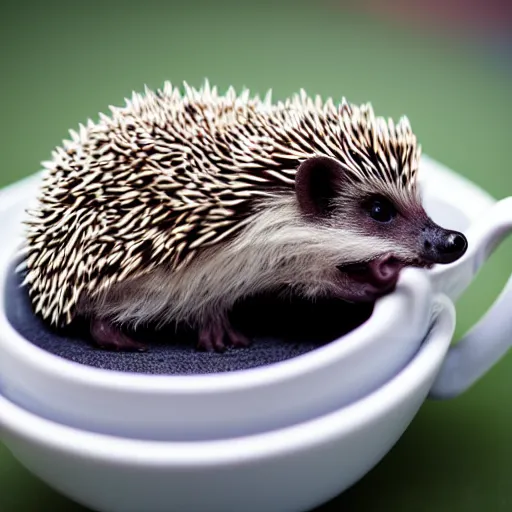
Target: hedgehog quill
{"type": "Point", "coordinates": [180, 204]}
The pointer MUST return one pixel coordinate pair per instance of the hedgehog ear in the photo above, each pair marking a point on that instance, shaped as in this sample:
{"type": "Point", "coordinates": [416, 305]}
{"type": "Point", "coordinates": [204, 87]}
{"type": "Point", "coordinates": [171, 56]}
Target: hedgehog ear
{"type": "Point", "coordinates": [316, 184]}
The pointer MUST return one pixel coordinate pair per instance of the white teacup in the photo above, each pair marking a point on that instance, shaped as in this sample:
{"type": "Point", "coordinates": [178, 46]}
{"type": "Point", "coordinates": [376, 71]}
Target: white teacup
{"type": "Point", "coordinates": [241, 403]}
{"type": "Point", "coordinates": [293, 463]}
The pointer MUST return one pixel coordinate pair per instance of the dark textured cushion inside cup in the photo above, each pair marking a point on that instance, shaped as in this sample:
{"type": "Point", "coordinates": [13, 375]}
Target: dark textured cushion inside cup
{"type": "Point", "coordinates": [280, 330]}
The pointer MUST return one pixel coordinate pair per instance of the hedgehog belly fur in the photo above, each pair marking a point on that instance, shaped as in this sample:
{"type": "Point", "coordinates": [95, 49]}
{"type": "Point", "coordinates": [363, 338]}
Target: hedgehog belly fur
{"type": "Point", "coordinates": [277, 249]}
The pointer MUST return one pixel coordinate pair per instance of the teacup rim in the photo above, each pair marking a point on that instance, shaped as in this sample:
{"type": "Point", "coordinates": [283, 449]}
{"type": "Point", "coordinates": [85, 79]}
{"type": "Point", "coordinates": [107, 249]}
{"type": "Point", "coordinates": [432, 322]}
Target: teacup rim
{"type": "Point", "coordinates": [413, 290]}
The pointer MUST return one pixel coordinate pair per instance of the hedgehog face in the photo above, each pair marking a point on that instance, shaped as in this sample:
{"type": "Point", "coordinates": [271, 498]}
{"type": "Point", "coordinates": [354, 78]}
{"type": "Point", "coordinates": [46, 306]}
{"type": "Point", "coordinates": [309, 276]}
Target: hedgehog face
{"type": "Point", "coordinates": [385, 228]}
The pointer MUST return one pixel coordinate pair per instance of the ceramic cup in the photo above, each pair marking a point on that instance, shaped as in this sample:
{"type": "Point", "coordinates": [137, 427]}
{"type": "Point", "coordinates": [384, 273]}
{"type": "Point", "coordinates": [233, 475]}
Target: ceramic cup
{"type": "Point", "coordinates": [287, 470]}
{"type": "Point", "coordinates": [241, 403]}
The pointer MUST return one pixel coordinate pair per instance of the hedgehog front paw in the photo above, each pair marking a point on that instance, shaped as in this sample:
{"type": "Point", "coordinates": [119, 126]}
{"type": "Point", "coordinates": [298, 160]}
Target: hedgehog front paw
{"type": "Point", "coordinates": [109, 337]}
{"type": "Point", "coordinates": [216, 336]}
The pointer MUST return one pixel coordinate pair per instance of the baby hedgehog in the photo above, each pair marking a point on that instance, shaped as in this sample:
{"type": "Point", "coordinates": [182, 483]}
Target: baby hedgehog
{"type": "Point", "coordinates": [180, 204]}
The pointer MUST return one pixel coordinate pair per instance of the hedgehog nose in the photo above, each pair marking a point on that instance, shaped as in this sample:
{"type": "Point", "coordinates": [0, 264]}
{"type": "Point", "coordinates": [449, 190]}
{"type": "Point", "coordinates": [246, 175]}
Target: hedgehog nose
{"type": "Point", "coordinates": [444, 246]}
{"type": "Point", "coordinates": [455, 245]}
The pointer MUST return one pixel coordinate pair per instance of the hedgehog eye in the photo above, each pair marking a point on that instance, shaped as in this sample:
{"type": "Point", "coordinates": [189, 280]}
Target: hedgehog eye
{"type": "Point", "coordinates": [381, 209]}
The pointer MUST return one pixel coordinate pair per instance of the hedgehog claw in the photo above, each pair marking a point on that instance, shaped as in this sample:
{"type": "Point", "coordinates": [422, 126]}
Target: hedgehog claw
{"type": "Point", "coordinates": [108, 337]}
{"type": "Point", "coordinates": [237, 339]}
{"type": "Point", "coordinates": [212, 338]}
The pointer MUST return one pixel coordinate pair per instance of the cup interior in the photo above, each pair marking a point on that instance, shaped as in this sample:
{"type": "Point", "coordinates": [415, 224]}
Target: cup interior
{"type": "Point", "coordinates": [280, 329]}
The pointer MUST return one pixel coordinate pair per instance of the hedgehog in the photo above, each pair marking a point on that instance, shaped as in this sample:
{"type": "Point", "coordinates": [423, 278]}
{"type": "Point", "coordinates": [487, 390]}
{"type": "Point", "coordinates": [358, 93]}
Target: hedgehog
{"type": "Point", "coordinates": [185, 201]}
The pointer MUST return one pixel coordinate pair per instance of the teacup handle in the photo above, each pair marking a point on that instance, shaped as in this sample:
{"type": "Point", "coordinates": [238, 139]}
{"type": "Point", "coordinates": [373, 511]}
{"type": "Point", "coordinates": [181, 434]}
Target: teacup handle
{"type": "Point", "coordinates": [490, 339]}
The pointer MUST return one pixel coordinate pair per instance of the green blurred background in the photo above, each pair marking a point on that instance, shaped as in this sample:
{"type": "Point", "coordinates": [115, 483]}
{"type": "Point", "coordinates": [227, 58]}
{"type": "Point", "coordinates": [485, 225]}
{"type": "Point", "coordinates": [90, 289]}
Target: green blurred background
{"type": "Point", "coordinates": [62, 62]}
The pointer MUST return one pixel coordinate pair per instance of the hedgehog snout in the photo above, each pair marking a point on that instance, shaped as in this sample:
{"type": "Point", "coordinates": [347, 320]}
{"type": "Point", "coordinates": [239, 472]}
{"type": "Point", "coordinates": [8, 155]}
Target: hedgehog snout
{"type": "Point", "coordinates": [441, 245]}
